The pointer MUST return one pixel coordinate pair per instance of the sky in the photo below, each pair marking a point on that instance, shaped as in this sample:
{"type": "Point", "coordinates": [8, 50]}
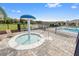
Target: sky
{"type": "Point", "coordinates": [43, 11]}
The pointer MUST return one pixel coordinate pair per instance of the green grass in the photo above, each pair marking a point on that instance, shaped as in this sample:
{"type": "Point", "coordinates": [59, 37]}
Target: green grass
{"type": "Point", "coordinates": [11, 26]}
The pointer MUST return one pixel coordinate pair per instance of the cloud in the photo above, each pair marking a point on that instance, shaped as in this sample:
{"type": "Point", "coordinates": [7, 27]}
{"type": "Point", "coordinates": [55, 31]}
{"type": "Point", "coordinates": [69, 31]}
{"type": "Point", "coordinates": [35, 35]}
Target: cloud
{"type": "Point", "coordinates": [13, 11]}
{"type": "Point", "coordinates": [52, 5]}
{"type": "Point", "coordinates": [16, 11]}
{"type": "Point", "coordinates": [73, 7]}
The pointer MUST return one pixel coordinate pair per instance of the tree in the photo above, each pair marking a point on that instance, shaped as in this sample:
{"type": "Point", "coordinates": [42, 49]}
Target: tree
{"type": "Point", "coordinates": [3, 12]}
{"type": "Point", "coordinates": [8, 21]}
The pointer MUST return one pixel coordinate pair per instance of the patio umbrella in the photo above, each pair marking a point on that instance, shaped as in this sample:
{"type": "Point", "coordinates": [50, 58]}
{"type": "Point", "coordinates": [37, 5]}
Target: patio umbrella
{"type": "Point", "coordinates": [28, 18]}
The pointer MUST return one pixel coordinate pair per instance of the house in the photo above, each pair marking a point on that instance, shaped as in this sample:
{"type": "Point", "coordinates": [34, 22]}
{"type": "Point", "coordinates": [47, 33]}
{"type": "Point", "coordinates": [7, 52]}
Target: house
{"type": "Point", "coordinates": [73, 22]}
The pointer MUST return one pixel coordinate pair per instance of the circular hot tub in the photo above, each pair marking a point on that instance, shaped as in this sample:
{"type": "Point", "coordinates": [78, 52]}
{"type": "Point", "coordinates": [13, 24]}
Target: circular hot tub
{"type": "Point", "coordinates": [21, 41]}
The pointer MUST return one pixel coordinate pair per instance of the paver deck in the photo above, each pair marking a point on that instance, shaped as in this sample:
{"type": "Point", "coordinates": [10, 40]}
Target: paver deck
{"type": "Point", "coordinates": [54, 45]}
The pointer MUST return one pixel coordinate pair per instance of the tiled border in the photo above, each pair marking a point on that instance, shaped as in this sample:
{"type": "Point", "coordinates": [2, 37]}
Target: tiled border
{"type": "Point", "coordinates": [13, 44]}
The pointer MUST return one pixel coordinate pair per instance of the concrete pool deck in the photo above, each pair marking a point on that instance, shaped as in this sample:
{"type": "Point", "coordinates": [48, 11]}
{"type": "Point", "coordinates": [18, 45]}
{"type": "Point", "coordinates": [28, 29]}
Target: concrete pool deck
{"type": "Point", "coordinates": [54, 45]}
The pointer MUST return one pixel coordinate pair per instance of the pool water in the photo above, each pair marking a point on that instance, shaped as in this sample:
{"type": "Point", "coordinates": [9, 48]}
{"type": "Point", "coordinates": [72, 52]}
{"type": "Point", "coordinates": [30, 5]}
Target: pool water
{"type": "Point", "coordinates": [72, 29]}
{"type": "Point", "coordinates": [24, 39]}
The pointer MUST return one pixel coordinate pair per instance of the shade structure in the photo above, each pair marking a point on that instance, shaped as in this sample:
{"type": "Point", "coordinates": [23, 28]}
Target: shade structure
{"type": "Point", "coordinates": [28, 18]}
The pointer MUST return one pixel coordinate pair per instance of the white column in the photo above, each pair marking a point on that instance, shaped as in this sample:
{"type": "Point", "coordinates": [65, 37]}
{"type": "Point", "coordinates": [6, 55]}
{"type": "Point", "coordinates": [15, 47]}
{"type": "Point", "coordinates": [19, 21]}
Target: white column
{"type": "Point", "coordinates": [28, 28]}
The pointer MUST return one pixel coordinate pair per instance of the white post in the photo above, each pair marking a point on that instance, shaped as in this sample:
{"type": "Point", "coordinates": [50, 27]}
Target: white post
{"type": "Point", "coordinates": [28, 28]}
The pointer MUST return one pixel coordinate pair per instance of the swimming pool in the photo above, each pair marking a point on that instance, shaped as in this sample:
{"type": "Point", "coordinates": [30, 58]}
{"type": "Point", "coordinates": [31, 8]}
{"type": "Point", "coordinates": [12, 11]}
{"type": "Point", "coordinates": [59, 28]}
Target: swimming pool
{"type": "Point", "coordinates": [76, 30]}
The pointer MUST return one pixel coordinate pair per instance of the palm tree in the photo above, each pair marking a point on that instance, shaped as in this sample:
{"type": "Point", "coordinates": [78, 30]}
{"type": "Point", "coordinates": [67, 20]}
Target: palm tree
{"type": "Point", "coordinates": [2, 11]}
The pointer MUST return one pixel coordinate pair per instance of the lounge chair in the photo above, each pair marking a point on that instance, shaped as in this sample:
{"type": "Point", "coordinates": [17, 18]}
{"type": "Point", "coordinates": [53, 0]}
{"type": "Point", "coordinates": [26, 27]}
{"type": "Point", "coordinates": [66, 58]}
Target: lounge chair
{"type": "Point", "coordinates": [9, 33]}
